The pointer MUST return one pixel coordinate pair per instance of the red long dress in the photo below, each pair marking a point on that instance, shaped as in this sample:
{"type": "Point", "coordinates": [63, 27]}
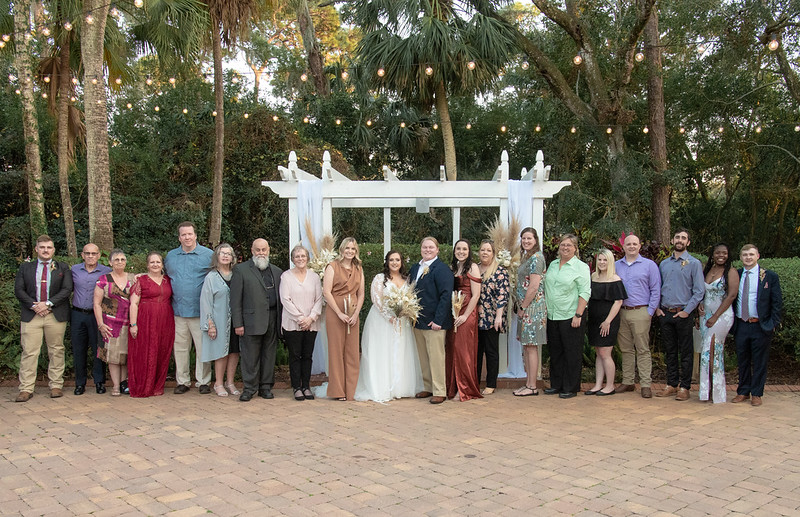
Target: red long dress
{"type": "Point", "coordinates": [149, 353]}
{"type": "Point", "coordinates": [461, 349]}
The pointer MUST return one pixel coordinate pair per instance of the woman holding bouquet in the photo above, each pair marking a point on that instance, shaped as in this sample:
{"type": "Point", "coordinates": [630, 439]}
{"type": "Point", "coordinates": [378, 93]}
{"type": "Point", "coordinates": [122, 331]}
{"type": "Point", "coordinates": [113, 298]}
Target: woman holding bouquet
{"type": "Point", "coordinates": [461, 347]}
{"type": "Point", "coordinates": [389, 361]}
{"type": "Point", "coordinates": [343, 288]}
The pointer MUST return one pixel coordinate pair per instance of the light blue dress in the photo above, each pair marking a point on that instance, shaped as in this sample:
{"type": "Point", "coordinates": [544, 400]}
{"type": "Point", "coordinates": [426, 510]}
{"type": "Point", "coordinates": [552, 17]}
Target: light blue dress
{"type": "Point", "coordinates": [714, 387]}
{"type": "Point", "coordinates": [215, 304]}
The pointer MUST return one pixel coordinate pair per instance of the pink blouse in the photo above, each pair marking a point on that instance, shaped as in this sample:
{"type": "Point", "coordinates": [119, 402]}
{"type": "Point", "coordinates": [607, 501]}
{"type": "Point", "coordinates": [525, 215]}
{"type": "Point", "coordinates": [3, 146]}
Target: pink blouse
{"type": "Point", "coordinates": [300, 299]}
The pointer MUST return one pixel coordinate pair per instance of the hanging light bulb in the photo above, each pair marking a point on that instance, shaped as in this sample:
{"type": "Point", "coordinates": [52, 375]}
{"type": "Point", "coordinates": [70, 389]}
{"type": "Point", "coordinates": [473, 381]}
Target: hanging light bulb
{"type": "Point", "coordinates": [74, 80]}
{"type": "Point", "coordinates": [138, 3]}
{"type": "Point", "coordinates": [47, 78]}
{"type": "Point", "coordinates": [157, 108]}
{"type": "Point", "coordinates": [305, 120]}
{"type": "Point", "coordinates": [99, 101]}
{"type": "Point", "coordinates": [214, 113]}
{"type": "Point", "coordinates": [338, 122]}
{"type": "Point", "coordinates": [435, 127]}
{"type": "Point", "coordinates": [402, 124]}
{"type": "Point", "coordinates": [246, 115]}
{"type": "Point", "coordinates": [148, 81]}
{"type": "Point", "coordinates": [114, 12]}
{"type": "Point", "coordinates": [538, 128]}
{"type": "Point", "coordinates": [2, 44]}
{"type": "Point", "coordinates": [73, 99]}
{"type": "Point", "coordinates": [12, 77]}
{"type": "Point", "coordinates": [720, 129]}
{"type": "Point", "coordinates": [471, 65]}
{"type": "Point", "coordinates": [303, 77]}
{"type": "Point", "coordinates": [67, 26]}
{"type": "Point", "coordinates": [274, 118]}
{"type": "Point", "coordinates": [758, 129]}
{"type": "Point", "coordinates": [381, 72]}
{"type": "Point", "coordinates": [639, 57]}
{"type": "Point", "coordinates": [17, 91]}
{"type": "Point", "coordinates": [44, 95]}
{"type": "Point", "coordinates": [577, 60]}
{"type": "Point", "coordinates": [118, 80]}
{"type": "Point", "coordinates": [428, 71]}
{"type": "Point", "coordinates": [129, 105]}
{"type": "Point", "coordinates": [773, 44]}
{"type": "Point", "coordinates": [796, 128]}
{"type": "Point", "coordinates": [682, 130]}
{"type": "Point", "coordinates": [185, 111]}
{"type": "Point", "coordinates": [502, 129]}
{"type": "Point", "coordinates": [609, 130]}
{"type": "Point", "coordinates": [345, 75]}
{"type": "Point", "coordinates": [469, 126]}
{"type": "Point", "coordinates": [6, 37]}
{"type": "Point", "coordinates": [525, 65]}
{"type": "Point", "coordinates": [94, 80]}
{"type": "Point", "coordinates": [369, 122]}
{"type": "Point", "coordinates": [645, 130]}
{"type": "Point", "coordinates": [573, 130]}
{"type": "Point", "coordinates": [46, 31]}
{"type": "Point", "coordinates": [89, 19]}
{"type": "Point", "coordinates": [172, 81]}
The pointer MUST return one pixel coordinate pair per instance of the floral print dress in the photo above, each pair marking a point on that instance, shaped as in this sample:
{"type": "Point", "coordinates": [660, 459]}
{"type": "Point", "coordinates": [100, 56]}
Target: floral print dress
{"type": "Point", "coordinates": [532, 326]}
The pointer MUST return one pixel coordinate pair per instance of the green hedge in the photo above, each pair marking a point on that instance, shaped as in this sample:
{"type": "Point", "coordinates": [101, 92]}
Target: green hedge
{"type": "Point", "coordinates": [787, 338]}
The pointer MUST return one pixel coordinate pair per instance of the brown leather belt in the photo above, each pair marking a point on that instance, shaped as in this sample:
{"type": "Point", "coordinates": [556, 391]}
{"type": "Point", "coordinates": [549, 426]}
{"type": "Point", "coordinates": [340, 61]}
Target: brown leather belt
{"type": "Point", "coordinates": [751, 320]}
{"type": "Point", "coordinates": [632, 307]}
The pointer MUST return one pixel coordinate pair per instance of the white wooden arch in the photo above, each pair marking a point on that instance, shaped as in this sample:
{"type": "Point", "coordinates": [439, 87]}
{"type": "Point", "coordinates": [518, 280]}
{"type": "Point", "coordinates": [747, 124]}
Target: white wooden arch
{"type": "Point", "coordinates": [338, 191]}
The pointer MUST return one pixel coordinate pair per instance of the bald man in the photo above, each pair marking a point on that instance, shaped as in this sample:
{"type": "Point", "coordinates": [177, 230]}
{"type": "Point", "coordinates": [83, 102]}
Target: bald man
{"type": "Point", "coordinates": [256, 316]}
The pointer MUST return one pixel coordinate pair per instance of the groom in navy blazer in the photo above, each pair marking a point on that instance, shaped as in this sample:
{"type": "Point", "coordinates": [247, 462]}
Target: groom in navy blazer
{"type": "Point", "coordinates": [434, 285]}
{"type": "Point", "coordinates": [758, 313]}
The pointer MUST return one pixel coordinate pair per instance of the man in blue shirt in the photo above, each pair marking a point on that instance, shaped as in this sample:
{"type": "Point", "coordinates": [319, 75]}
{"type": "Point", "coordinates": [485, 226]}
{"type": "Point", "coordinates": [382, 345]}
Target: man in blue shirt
{"type": "Point", "coordinates": [682, 290]}
{"type": "Point", "coordinates": [187, 266]}
{"type": "Point", "coordinates": [83, 326]}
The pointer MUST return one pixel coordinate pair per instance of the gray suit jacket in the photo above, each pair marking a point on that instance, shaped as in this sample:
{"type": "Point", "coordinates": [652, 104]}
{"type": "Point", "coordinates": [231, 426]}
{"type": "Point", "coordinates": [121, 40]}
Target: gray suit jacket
{"type": "Point", "coordinates": [249, 304]}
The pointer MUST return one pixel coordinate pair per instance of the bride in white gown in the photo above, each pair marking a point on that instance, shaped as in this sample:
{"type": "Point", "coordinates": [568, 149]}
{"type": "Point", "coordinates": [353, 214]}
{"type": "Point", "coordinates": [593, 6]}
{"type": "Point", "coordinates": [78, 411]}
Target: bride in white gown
{"type": "Point", "coordinates": [389, 361]}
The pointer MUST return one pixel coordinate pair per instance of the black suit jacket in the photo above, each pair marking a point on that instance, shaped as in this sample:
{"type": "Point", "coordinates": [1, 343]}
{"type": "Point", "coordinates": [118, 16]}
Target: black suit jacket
{"type": "Point", "coordinates": [60, 281]}
{"type": "Point", "coordinates": [769, 299]}
{"type": "Point", "coordinates": [435, 291]}
{"type": "Point", "coordinates": [249, 303]}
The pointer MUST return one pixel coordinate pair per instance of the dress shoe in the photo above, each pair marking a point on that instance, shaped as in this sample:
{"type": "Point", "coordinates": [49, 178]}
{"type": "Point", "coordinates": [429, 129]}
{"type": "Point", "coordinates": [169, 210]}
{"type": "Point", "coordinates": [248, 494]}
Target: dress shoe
{"type": "Point", "coordinates": [740, 398]}
{"type": "Point", "coordinates": [756, 400]}
{"type": "Point", "coordinates": [298, 394]}
{"type": "Point", "coordinates": [266, 394]}
{"type": "Point", "coordinates": [24, 396]}
{"type": "Point", "coordinates": [622, 388]}
{"type": "Point", "coordinates": [123, 387]}
{"type": "Point", "coordinates": [668, 391]}
{"type": "Point", "coordinates": [56, 393]}
{"type": "Point", "coordinates": [647, 393]}
{"type": "Point", "coordinates": [437, 400]}
{"type": "Point", "coordinates": [100, 388]}
{"type": "Point", "coordinates": [605, 393]}
{"type": "Point", "coordinates": [205, 389]}
{"type": "Point", "coordinates": [487, 391]}
{"type": "Point", "coordinates": [567, 395]}
{"type": "Point", "coordinates": [180, 389]}
{"type": "Point", "coordinates": [245, 396]}
{"type": "Point", "coordinates": [307, 394]}
{"type": "Point", "coordinates": [79, 390]}
{"type": "Point", "coordinates": [550, 391]}
{"type": "Point", "coordinates": [423, 394]}
{"type": "Point", "coordinates": [591, 392]}
{"type": "Point", "coordinates": [683, 394]}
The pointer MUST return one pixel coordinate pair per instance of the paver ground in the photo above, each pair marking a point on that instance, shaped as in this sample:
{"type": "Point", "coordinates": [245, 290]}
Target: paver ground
{"type": "Point", "coordinates": [198, 454]}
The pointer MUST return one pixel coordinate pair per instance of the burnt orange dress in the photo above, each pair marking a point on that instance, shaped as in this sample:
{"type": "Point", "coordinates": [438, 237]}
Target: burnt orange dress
{"type": "Point", "coordinates": [461, 348]}
{"type": "Point", "coordinates": [343, 348]}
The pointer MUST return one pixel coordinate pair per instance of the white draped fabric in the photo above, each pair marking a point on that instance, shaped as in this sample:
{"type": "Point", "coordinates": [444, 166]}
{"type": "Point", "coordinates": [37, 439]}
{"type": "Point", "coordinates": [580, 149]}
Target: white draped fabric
{"type": "Point", "coordinates": [520, 207]}
{"type": "Point", "coordinates": [309, 208]}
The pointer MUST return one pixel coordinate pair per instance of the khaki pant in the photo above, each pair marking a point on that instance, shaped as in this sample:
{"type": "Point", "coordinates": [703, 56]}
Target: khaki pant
{"type": "Point", "coordinates": [634, 339]}
{"type": "Point", "coordinates": [430, 346]}
{"type": "Point", "coordinates": [32, 333]}
{"type": "Point", "coordinates": [186, 330]}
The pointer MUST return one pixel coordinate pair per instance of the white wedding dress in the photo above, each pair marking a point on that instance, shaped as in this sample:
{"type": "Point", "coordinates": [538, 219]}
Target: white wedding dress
{"type": "Point", "coordinates": [389, 360]}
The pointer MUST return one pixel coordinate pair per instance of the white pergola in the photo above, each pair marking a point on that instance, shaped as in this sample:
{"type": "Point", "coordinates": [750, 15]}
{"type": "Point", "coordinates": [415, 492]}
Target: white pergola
{"type": "Point", "coordinates": [338, 191]}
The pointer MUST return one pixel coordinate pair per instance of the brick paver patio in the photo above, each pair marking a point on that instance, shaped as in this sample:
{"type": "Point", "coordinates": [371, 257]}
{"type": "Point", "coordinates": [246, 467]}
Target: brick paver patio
{"type": "Point", "coordinates": [200, 454]}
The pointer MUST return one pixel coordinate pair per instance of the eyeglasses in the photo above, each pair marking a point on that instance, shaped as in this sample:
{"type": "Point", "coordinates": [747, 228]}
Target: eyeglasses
{"type": "Point", "coordinates": [226, 253]}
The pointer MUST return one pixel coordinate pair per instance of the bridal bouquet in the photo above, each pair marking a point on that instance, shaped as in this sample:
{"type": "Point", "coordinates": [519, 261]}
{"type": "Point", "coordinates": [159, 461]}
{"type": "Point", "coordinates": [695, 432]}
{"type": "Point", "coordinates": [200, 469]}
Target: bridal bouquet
{"type": "Point", "coordinates": [402, 302]}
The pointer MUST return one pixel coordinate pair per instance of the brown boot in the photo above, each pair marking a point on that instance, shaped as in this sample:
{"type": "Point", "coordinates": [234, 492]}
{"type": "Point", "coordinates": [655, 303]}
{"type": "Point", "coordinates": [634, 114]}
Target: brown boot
{"type": "Point", "coordinates": [683, 394]}
{"type": "Point", "coordinates": [24, 396]}
{"type": "Point", "coordinates": [647, 393]}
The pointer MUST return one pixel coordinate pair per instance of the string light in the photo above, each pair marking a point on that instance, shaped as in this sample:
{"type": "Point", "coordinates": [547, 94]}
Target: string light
{"type": "Point", "coordinates": [538, 128]}
{"type": "Point", "coordinates": [573, 130]}
{"type": "Point", "coordinates": [44, 95]}
{"type": "Point", "coordinates": [214, 113]}
{"type": "Point", "coordinates": [157, 108]}
{"type": "Point", "coordinates": [274, 118]}
{"type": "Point", "coordinates": [129, 105]}
{"type": "Point", "coordinates": [701, 48]}
{"type": "Point", "coordinates": [67, 26]}
{"type": "Point", "coordinates": [369, 122]}
{"type": "Point", "coordinates": [17, 91]}
{"type": "Point", "coordinates": [502, 129]}
{"type": "Point", "coordinates": [577, 60]}
{"type": "Point", "coordinates": [73, 98]}
{"type": "Point", "coordinates": [345, 75]}
{"type": "Point", "coordinates": [609, 130]}
{"type": "Point", "coordinates": [435, 127]}
{"type": "Point", "coordinates": [338, 121]}
{"type": "Point", "coordinates": [172, 81]}
{"type": "Point", "coordinates": [89, 19]}
{"type": "Point", "coordinates": [471, 65]}
{"type": "Point", "coordinates": [47, 78]}
{"type": "Point", "coordinates": [74, 80]}
{"type": "Point", "coordinates": [469, 126]}
{"type": "Point", "coordinates": [2, 44]}
{"type": "Point", "coordinates": [645, 130]}
{"type": "Point", "coordinates": [148, 81]}
{"type": "Point", "coordinates": [403, 125]}
{"type": "Point", "coordinates": [118, 80]}
{"type": "Point", "coordinates": [428, 71]}
{"type": "Point", "coordinates": [94, 81]}
{"type": "Point", "coordinates": [115, 12]}
{"type": "Point", "coordinates": [796, 128]}
{"type": "Point", "coordinates": [758, 129]}
{"type": "Point", "coordinates": [185, 111]}
{"type": "Point", "coordinates": [525, 65]}
{"type": "Point", "coordinates": [303, 77]}
{"type": "Point", "coordinates": [46, 31]}
{"type": "Point", "coordinates": [682, 130]}
{"type": "Point", "coordinates": [639, 57]}
{"type": "Point", "coordinates": [138, 3]}
{"type": "Point", "coordinates": [6, 37]}
{"type": "Point", "coordinates": [773, 44]}
{"type": "Point", "coordinates": [246, 115]}
{"type": "Point", "coordinates": [720, 129]}
{"type": "Point", "coordinates": [305, 120]}
{"type": "Point", "coordinates": [235, 79]}
{"type": "Point", "coordinates": [381, 72]}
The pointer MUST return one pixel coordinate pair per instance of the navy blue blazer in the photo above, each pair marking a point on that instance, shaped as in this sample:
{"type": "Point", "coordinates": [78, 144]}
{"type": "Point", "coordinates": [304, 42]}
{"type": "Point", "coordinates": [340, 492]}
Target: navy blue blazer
{"type": "Point", "coordinates": [435, 291]}
{"type": "Point", "coordinates": [769, 300]}
{"type": "Point", "coordinates": [60, 289]}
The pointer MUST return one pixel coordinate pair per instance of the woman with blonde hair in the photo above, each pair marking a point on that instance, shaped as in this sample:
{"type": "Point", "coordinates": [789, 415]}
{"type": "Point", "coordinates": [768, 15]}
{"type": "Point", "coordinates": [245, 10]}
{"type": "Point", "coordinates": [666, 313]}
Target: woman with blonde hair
{"type": "Point", "coordinates": [608, 293]}
{"type": "Point", "coordinates": [343, 288]}
{"type": "Point", "coordinates": [491, 312]}
{"type": "Point", "coordinates": [530, 307]}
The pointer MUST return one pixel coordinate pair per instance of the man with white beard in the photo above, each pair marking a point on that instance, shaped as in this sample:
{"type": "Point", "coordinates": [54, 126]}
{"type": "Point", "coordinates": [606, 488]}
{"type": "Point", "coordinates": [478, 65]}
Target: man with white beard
{"type": "Point", "coordinates": [256, 314]}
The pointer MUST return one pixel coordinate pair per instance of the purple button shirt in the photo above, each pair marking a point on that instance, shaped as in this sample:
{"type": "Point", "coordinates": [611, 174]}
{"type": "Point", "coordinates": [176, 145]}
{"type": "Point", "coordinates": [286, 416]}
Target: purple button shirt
{"type": "Point", "coordinates": [642, 281]}
{"type": "Point", "coordinates": [84, 282]}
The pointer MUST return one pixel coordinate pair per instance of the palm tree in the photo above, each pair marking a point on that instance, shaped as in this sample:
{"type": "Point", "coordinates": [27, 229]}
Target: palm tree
{"type": "Point", "coordinates": [30, 122]}
{"type": "Point", "coordinates": [426, 50]}
{"type": "Point", "coordinates": [229, 20]}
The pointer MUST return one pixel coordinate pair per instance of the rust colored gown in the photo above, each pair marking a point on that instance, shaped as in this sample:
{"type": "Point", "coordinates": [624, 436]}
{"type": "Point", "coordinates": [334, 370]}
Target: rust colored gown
{"type": "Point", "coordinates": [461, 349]}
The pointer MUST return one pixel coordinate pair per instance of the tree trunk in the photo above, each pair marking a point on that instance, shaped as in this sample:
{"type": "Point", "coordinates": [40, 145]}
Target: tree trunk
{"type": "Point", "coordinates": [257, 73]}
{"type": "Point", "coordinates": [447, 133]}
{"type": "Point", "coordinates": [658, 134]}
{"type": "Point", "coordinates": [64, 159]}
{"type": "Point", "coordinates": [315, 62]}
{"type": "Point", "coordinates": [101, 229]}
{"type": "Point", "coordinates": [215, 223]}
{"type": "Point", "coordinates": [30, 122]}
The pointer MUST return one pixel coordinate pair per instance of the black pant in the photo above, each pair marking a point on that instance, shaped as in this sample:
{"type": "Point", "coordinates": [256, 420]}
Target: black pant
{"type": "Point", "coordinates": [488, 343]}
{"type": "Point", "coordinates": [257, 357]}
{"type": "Point", "coordinates": [84, 336]}
{"type": "Point", "coordinates": [301, 348]}
{"type": "Point", "coordinates": [566, 354]}
{"type": "Point", "coordinates": [676, 335]}
{"type": "Point", "coordinates": [752, 354]}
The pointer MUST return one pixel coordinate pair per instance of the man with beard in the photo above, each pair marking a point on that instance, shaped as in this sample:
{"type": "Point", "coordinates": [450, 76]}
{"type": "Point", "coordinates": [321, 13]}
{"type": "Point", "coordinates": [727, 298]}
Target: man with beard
{"type": "Point", "coordinates": [255, 313]}
{"type": "Point", "coordinates": [682, 290]}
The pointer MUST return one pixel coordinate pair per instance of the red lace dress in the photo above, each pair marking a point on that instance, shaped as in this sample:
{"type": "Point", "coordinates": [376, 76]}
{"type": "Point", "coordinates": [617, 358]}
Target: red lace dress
{"type": "Point", "coordinates": [149, 353]}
